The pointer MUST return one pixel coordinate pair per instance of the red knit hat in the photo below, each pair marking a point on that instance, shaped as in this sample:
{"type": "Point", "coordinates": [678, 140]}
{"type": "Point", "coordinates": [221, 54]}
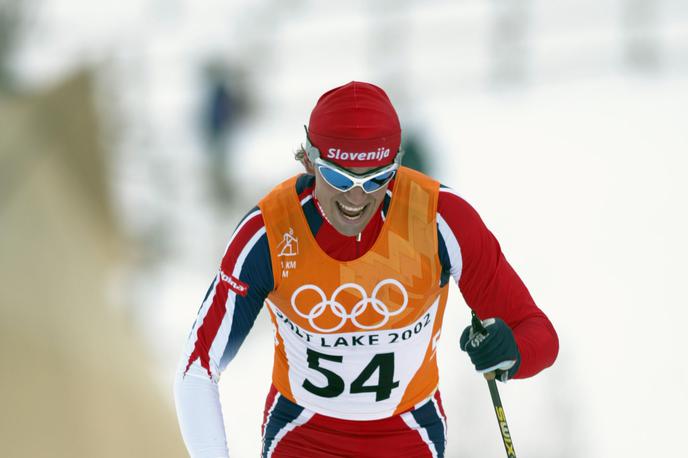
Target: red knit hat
{"type": "Point", "coordinates": [355, 125]}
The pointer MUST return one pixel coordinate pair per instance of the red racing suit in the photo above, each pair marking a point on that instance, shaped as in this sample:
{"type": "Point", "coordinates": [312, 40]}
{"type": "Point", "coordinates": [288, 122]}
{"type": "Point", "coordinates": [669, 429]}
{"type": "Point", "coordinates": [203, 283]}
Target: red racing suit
{"type": "Point", "coordinates": [430, 235]}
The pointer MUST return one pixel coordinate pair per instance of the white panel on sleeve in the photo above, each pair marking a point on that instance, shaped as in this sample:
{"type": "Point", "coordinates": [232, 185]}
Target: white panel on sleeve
{"type": "Point", "coordinates": [220, 342]}
{"type": "Point", "coordinates": [199, 413]}
{"type": "Point", "coordinates": [453, 248]}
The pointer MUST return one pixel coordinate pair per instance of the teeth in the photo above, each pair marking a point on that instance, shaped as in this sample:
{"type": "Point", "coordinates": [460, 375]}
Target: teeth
{"type": "Point", "coordinates": [351, 213]}
{"type": "Point", "coordinates": [352, 209]}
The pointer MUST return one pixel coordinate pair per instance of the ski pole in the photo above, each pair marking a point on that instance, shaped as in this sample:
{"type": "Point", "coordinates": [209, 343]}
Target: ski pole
{"type": "Point", "coordinates": [494, 393]}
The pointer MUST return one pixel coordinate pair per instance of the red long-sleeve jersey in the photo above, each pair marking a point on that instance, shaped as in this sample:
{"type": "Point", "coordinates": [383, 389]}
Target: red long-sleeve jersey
{"type": "Point", "coordinates": [467, 251]}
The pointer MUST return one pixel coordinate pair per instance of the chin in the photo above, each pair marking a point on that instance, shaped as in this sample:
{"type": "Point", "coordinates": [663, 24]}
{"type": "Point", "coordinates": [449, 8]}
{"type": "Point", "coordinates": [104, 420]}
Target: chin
{"type": "Point", "coordinates": [347, 227]}
{"type": "Point", "coordinates": [350, 232]}
{"type": "Point", "coordinates": [350, 229]}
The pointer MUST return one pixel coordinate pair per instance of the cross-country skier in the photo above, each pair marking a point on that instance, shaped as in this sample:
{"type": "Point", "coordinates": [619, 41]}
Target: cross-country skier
{"type": "Point", "coordinates": [352, 260]}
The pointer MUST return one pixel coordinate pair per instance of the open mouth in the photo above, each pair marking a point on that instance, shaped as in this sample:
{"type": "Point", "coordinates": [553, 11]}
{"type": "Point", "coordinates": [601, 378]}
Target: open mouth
{"type": "Point", "coordinates": [351, 213]}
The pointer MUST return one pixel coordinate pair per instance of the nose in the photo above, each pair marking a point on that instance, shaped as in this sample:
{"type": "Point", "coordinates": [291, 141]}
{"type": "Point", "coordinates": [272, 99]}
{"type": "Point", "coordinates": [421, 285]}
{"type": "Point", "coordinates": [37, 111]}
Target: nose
{"type": "Point", "coordinates": [356, 195]}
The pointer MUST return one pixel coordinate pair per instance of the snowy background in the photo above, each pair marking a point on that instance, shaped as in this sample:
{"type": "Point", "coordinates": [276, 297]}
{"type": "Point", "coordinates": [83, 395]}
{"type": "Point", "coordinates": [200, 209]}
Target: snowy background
{"type": "Point", "coordinates": [563, 123]}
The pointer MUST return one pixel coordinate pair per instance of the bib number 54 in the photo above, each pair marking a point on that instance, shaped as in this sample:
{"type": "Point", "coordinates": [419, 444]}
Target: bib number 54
{"type": "Point", "coordinates": [383, 363]}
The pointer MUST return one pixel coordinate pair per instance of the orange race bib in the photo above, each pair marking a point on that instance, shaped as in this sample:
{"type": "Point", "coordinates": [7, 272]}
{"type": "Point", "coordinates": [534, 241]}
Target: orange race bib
{"type": "Point", "coordinates": [357, 339]}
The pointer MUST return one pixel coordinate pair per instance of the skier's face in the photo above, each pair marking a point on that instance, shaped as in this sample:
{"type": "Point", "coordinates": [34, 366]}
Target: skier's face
{"type": "Point", "coordinates": [349, 211]}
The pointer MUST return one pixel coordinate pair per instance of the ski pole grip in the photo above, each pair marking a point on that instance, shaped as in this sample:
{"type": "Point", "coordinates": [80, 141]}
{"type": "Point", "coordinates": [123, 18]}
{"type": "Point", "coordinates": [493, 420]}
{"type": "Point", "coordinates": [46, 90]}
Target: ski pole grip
{"type": "Point", "coordinates": [478, 327]}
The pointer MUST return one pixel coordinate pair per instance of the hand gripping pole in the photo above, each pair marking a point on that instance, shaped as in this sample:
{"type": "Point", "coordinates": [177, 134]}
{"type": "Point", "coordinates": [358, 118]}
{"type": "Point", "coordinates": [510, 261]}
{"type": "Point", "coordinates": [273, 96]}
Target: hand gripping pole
{"type": "Point", "coordinates": [496, 400]}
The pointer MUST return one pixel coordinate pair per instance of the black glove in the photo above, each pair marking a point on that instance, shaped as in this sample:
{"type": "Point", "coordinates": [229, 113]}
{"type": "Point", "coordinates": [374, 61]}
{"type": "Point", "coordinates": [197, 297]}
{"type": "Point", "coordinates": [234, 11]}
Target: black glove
{"type": "Point", "coordinates": [494, 349]}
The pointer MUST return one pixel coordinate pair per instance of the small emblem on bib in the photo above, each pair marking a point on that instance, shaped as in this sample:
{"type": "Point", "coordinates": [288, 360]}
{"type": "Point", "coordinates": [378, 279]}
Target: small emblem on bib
{"type": "Point", "coordinates": [289, 246]}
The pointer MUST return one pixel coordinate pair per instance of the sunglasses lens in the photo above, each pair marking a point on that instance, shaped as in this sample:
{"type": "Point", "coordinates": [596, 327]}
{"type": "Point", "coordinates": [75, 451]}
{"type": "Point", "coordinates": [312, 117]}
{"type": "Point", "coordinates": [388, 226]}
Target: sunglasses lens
{"type": "Point", "coordinates": [379, 181]}
{"type": "Point", "coordinates": [335, 178]}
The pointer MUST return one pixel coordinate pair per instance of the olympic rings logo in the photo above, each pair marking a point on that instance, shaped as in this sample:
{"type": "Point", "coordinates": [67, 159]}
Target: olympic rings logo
{"type": "Point", "coordinates": [338, 310]}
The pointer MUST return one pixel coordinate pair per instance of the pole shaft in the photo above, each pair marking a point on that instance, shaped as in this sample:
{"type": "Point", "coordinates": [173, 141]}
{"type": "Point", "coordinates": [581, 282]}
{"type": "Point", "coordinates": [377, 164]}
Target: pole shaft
{"type": "Point", "coordinates": [501, 419]}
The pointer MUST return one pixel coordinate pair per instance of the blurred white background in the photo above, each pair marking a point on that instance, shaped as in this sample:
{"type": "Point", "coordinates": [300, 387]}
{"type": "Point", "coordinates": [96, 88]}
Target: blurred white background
{"type": "Point", "coordinates": [563, 123]}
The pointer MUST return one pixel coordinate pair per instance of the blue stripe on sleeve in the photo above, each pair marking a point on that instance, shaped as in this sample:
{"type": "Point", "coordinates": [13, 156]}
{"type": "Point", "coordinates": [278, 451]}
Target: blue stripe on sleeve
{"type": "Point", "coordinates": [207, 294]}
{"type": "Point", "coordinates": [257, 273]}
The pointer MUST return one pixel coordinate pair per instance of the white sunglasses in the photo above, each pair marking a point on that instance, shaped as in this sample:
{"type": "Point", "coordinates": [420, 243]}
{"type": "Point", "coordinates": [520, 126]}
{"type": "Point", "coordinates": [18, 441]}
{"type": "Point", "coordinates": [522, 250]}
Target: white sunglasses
{"type": "Point", "coordinates": [344, 180]}
{"type": "Point", "coordinates": [341, 180]}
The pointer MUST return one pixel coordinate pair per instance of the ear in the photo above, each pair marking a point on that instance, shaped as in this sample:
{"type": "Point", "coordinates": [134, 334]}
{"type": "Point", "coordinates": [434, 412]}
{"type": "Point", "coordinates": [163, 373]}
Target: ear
{"type": "Point", "coordinates": [308, 165]}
